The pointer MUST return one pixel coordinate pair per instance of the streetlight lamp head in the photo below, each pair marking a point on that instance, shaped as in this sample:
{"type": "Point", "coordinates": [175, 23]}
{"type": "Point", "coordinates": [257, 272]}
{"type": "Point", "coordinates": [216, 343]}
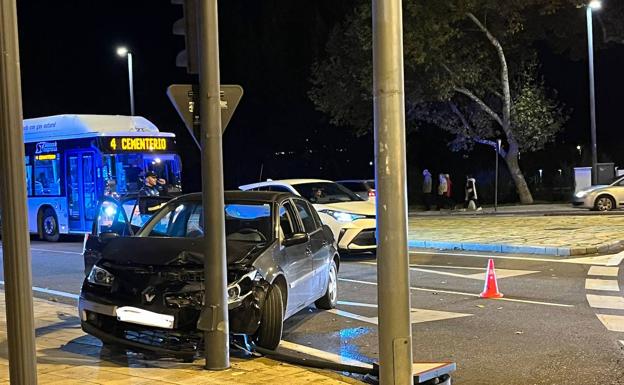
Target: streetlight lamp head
{"type": "Point", "coordinates": [578, 147]}
{"type": "Point", "coordinates": [595, 4]}
{"type": "Point", "coordinates": [122, 51]}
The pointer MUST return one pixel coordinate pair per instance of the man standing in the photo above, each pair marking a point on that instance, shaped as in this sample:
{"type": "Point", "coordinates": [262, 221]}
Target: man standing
{"type": "Point", "coordinates": [152, 185]}
{"type": "Point", "coordinates": [427, 188]}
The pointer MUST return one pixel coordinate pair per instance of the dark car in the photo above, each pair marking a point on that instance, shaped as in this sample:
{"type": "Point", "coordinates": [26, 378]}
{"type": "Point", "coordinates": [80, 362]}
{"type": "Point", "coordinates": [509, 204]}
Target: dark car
{"type": "Point", "coordinates": [145, 289]}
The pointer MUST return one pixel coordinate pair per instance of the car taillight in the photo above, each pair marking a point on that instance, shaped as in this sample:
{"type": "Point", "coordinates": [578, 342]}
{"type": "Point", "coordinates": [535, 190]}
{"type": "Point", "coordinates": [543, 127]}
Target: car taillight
{"type": "Point", "coordinates": [371, 193]}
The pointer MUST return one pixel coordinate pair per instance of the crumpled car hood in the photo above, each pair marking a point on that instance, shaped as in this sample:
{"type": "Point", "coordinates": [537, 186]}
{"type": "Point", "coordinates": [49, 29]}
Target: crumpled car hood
{"type": "Point", "coordinates": [172, 251]}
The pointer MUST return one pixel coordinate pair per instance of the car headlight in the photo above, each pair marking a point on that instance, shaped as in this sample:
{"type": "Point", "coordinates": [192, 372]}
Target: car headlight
{"type": "Point", "coordinates": [342, 216]}
{"type": "Point", "coordinates": [581, 194]}
{"type": "Point", "coordinates": [99, 276]}
{"type": "Point", "coordinates": [243, 286]}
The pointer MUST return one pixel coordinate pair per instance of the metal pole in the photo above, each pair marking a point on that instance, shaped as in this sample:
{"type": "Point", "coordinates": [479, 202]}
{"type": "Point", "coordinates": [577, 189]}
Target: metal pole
{"type": "Point", "coordinates": [15, 238]}
{"type": "Point", "coordinates": [215, 311]}
{"type": "Point", "coordinates": [497, 151]}
{"type": "Point", "coordinates": [395, 333]}
{"type": "Point", "coordinates": [130, 80]}
{"type": "Point", "coordinates": [592, 96]}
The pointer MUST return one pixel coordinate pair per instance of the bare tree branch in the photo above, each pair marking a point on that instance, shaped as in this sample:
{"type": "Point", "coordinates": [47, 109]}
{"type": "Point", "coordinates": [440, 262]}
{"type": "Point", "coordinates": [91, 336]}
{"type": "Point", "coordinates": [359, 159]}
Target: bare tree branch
{"type": "Point", "coordinates": [471, 134]}
{"type": "Point", "coordinates": [481, 104]}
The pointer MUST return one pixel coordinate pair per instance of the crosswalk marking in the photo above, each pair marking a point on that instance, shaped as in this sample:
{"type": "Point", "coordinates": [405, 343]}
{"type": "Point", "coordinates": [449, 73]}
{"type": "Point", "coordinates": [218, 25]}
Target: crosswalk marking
{"type": "Point", "coordinates": [606, 301]}
{"type": "Point", "coordinates": [615, 323]}
{"type": "Point", "coordinates": [603, 271]}
{"type": "Point", "coordinates": [602, 284]}
{"type": "Point", "coordinates": [416, 316]}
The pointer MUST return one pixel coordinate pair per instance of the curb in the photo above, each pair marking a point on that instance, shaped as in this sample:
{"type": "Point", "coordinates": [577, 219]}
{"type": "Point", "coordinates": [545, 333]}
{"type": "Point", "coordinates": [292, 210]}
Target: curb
{"type": "Point", "coordinates": [516, 249]}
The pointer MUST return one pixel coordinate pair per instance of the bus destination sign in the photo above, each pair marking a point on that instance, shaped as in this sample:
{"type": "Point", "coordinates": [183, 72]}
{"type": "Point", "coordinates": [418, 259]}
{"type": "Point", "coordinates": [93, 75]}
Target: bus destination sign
{"type": "Point", "coordinates": [124, 144]}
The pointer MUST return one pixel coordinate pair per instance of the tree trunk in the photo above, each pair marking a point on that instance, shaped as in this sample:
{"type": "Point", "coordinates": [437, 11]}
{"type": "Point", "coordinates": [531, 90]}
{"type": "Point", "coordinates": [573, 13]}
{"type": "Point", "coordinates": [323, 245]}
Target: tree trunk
{"type": "Point", "coordinates": [516, 174]}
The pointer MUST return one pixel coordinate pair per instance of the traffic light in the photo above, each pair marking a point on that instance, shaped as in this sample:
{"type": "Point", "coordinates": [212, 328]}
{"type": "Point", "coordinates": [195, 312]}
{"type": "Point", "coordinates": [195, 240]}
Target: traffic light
{"type": "Point", "coordinates": [187, 26]}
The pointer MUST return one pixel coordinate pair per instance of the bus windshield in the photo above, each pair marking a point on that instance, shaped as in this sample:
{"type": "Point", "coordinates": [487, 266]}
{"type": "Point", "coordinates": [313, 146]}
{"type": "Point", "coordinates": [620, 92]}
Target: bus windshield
{"type": "Point", "coordinates": [124, 173]}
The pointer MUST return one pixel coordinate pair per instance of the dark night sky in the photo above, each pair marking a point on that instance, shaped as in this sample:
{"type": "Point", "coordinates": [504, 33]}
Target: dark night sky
{"type": "Point", "coordinates": [69, 65]}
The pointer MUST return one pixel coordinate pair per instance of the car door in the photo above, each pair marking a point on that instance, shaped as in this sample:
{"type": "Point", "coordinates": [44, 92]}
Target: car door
{"type": "Point", "coordinates": [296, 261]}
{"type": "Point", "coordinates": [318, 248]}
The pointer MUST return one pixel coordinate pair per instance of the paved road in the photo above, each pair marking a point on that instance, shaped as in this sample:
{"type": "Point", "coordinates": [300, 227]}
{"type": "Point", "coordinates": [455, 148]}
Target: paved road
{"type": "Point", "coordinates": [543, 331]}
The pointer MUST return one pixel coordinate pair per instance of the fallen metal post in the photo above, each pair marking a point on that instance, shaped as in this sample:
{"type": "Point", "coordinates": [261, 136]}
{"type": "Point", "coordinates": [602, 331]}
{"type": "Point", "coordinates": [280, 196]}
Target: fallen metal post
{"type": "Point", "coordinates": [395, 336]}
{"type": "Point", "coordinates": [15, 236]}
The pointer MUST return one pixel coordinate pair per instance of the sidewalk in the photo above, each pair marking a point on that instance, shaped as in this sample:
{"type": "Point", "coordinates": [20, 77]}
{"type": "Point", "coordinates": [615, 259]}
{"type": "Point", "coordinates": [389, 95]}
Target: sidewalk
{"type": "Point", "coordinates": [67, 356]}
{"type": "Point", "coordinates": [544, 230]}
{"type": "Point", "coordinates": [545, 209]}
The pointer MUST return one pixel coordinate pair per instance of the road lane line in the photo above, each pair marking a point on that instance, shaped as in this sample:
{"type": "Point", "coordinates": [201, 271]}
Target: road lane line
{"type": "Point", "coordinates": [605, 301]}
{"type": "Point", "coordinates": [358, 304]}
{"type": "Point", "coordinates": [603, 271]}
{"type": "Point", "coordinates": [614, 323]}
{"type": "Point", "coordinates": [52, 292]}
{"type": "Point", "coordinates": [602, 284]}
{"type": "Point", "coordinates": [416, 316]}
{"type": "Point", "coordinates": [463, 293]}
{"type": "Point", "coordinates": [55, 251]}
{"type": "Point", "coordinates": [323, 354]}
{"type": "Point", "coordinates": [500, 273]}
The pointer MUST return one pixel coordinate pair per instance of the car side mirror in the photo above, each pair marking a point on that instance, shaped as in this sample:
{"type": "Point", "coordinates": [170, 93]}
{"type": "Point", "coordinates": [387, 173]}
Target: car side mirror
{"type": "Point", "coordinates": [296, 239]}
{"type": "Point", "coordinates": [105, 237]}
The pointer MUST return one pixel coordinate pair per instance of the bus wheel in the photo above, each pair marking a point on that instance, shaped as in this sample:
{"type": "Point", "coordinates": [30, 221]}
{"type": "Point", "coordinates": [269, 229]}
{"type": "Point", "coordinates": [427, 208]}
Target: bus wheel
{"type": "Point", "coordinates": [49, 226]}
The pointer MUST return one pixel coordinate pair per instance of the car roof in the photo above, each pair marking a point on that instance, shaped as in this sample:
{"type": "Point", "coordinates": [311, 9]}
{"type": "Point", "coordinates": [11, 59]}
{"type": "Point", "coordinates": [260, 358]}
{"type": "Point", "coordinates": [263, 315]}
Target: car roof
{"type": "Point", "coordinates": [356, 180]}
{"type": "Point", "coordinates": [292, 182]}
{"type": "Point", "coordinates": [252, 196]}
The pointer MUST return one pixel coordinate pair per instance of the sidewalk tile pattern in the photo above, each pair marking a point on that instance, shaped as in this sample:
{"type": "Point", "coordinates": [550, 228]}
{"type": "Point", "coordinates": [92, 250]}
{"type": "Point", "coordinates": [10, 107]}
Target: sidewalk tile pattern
{"type": "Point", "coordinates": [554, 235]}
{"type": "Point", "coordinates": [67, 356]}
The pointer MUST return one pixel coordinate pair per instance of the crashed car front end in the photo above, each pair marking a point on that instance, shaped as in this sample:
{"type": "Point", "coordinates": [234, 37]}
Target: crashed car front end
{"type": "Point", "coordinates": [159, 308]}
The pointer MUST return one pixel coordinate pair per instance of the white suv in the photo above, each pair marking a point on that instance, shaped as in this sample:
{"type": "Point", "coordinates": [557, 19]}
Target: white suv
{"type": "Point", "coordinates": [351, 219]}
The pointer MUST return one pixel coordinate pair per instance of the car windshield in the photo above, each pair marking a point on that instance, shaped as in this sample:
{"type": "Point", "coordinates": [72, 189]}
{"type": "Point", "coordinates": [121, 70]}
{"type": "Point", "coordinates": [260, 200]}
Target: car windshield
{"type": "Point", "coordinates": [244, 221]}
{"type": "Point", "coordinates": [326, 192]}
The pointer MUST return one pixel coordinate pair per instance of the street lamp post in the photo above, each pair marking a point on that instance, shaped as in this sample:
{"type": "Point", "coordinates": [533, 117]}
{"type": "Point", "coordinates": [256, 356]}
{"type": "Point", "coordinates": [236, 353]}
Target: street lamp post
{"type": "Point", "coordinates": [123, 51]}
{"type": "Point", "coordinates": [593, 4]}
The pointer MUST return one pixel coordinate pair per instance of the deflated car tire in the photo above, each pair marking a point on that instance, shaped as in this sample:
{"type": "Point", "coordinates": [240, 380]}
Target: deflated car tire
{"type": "Point", "coordinates": [328, 301]}
{"type": "Point", "coordinates": [269, 332]}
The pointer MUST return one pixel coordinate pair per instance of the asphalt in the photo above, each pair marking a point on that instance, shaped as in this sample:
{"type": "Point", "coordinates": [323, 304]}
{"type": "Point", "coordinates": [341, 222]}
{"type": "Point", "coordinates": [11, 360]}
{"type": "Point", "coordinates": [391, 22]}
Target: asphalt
{"type": "Point", "coordinates": [547, 229]}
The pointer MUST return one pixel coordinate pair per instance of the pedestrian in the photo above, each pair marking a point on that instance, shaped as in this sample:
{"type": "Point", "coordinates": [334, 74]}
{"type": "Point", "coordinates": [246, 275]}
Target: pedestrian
{"type": "Point", "coordinates": [152, 186]}
{"type": "Point", "coordinates": [449, 192]}
{"type": "Point", "coordinates": [471, 200]}
{"type": "Point", "coordinates": [442, 188]}
{"type": "Point", "coordinates": [427, 189]}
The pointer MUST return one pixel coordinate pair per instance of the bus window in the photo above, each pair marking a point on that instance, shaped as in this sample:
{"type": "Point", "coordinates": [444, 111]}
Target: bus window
{"type": "Point", "coordinates": [47, 174]}
{"type": "Point", "coordinates": [28, 176]}
{"type": "Point", "coordinates": [124, 172]}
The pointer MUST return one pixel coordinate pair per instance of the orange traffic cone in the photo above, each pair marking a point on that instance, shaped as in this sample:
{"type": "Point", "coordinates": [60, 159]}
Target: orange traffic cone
{"type": "Point", "coordinates": [490, 290]}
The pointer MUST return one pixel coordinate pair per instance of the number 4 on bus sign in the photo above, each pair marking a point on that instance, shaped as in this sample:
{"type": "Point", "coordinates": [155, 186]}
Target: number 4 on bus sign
{"type": "Point", "coordinates": [184, 99]}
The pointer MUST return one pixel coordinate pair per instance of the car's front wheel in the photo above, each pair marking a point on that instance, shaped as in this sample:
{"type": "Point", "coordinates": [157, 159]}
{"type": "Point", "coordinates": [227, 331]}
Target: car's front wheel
{"type": "Point", "coordinates": [330, 298]}
{"type": "Point", "coordinates": [604, 203]}
{"type": "Point", "coordinates": [269, 332]}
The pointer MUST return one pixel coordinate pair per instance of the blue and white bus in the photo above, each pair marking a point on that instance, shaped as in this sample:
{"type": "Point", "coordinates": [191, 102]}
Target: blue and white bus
{"type": "Point", "coordinates": [72, 161]}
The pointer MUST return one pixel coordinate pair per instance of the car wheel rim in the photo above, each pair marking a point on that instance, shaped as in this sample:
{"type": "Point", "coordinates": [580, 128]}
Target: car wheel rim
{"type": "Point", "coordinates": [49, 225]}
{"type": "Point", "coordinates": [332, 286]}
{"type": "Point", "coordinates": [604, 204]}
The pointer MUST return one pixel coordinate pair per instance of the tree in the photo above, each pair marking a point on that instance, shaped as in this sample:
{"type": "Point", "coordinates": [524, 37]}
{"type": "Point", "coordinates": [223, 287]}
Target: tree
{"type": "Point", "coordinates": [470, 69]}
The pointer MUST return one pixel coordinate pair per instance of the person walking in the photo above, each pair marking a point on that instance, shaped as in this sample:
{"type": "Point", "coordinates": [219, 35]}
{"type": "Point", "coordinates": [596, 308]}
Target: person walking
{"type": "Point", "coordinates": [449, 192]}
{"type": "Point", "coordinates": [427, 189]}
{"type": "Point", "coordinates": [442, 188]}
{"type": "Point", "coordinates": [471, 194]}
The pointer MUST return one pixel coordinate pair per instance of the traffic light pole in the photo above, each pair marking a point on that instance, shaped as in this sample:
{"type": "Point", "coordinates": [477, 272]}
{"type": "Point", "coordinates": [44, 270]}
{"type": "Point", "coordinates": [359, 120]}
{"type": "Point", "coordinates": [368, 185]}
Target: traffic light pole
{"type": "Point", "coordinates": [214, 319]}
{"type": "Point", "coordinates": [15, 238]}
{"type": "Point", "coordinates": [395, 335]}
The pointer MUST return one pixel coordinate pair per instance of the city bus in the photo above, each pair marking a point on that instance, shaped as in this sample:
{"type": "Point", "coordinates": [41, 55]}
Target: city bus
{"type": "Point", "coordinates": [73, 161]}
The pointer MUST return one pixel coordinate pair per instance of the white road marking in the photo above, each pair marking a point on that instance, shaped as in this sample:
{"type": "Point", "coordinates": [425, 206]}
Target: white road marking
{"type": "Point", "coordinates": [622, 342]}
{"type": "Point", "coordinates": [603, 271]}
{"type": "Point", "coordinates": [602, 284]}
{"type": "Point", "coordinates": [416, 316]}
{"type": "Point", "coordinates": [603, 260]}
{"type": "Point", "coordinates": [615, 323]}
{"type": "Point", "coordinates": [55, 251]}
{"type": "Point", "coordinates": [605, 301]}
{"type": "Point", "coordinates": [358, 304]}
{"type": "Point", "coordinates": [53, 292]}
{"type": "Point", "coordinates": [463, 293]}
{"type": "Point", "coordinates": [323, 354]}
{"type": "Point", "coordinates": [500, 273]}
{"type": "Point", "coordinates": [616, 260]}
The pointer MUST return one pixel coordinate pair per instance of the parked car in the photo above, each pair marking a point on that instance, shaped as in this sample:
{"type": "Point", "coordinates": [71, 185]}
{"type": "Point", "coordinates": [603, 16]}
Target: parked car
{"type": "Point", "coordinates": [351, 219]}
{"type": "Point", "coordinates": [144, 289]}
{"type": "Point", "coordinates": [364, 188]}
{"type": "Point", "coordinates": [602, 197]}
